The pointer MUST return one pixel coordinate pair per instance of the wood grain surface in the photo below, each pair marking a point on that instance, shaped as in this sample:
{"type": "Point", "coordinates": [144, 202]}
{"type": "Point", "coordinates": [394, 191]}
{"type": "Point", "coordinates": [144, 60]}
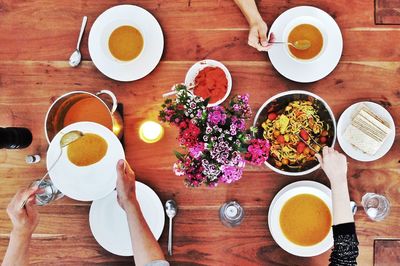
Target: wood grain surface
{"type": "Point", "coordinates": [36, 40]}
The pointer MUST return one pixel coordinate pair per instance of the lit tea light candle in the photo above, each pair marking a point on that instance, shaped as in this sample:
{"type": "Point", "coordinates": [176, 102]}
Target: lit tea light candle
{"type": "Point", "coordinates": [151, 132]}
{"type": "Point", "coordinates": [231, 212]}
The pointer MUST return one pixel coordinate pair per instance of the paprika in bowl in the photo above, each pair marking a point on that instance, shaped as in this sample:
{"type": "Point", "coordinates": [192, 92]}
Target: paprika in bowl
{"type": "Point", "coordinates": [210, 79]}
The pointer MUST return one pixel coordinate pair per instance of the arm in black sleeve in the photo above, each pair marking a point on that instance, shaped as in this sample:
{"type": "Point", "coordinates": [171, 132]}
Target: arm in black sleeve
{"type": "Point", "coordinates": [345, 248]}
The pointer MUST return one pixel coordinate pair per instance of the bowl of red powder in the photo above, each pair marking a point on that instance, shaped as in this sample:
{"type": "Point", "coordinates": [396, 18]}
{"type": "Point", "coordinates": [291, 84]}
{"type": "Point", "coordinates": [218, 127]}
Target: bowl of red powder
{"type": "Point", "coordinates": [210, 79]}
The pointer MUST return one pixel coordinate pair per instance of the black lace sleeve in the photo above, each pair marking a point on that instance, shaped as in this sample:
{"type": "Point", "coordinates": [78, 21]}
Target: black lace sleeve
{"type": "Point", "coordinates": [345, 247]}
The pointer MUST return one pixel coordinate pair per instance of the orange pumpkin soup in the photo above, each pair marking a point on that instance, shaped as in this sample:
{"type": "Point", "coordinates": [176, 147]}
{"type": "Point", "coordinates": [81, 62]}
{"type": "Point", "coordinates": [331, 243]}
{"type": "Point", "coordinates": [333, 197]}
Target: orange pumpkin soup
{"type": "Point", "coordinates": [87, 150]}
{"type": "Point", "coordinates": [306, 32]}
{"type": "Point", "coordinates": [88, 109]}
{"type": "Point", "coordinates": [305, 220]}
{"type": "Point", "coordinates": [125, 43]}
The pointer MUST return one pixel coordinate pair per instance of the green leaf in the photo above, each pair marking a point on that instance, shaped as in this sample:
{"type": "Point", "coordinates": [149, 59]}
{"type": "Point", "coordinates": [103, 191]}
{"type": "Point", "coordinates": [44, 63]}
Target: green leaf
{"type": "Point", "coordinates": [206, 101]}
{"type": "Point", "coordinates": [179, 155]}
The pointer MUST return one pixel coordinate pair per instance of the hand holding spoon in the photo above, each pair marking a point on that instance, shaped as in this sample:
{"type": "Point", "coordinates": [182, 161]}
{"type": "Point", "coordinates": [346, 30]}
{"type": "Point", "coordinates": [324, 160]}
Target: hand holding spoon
{"type": "Point", "coordinates": [76, 56]}
{"type": "Point", "coordinates": [170, 209]}
{"type": "Point", "coordinates": [67, 139]}
{"type": "Point", "coordinates": [299, 44]}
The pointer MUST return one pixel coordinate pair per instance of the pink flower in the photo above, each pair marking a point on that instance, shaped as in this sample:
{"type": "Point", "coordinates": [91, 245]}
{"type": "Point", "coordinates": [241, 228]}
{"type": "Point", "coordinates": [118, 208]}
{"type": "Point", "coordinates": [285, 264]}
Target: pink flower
{"type": "Point", "coordinates": [258, 151]}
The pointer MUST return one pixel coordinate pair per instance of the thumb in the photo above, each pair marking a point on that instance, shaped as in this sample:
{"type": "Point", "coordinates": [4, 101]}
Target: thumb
{"type": "Point", "coordinates": [262, 32]}
{"type": "Point", "coordinates": [271, 37]}
{"type": "Point", "coordinates": [319, 158]}
{"type": "Point", "coordinates": [30, 206]}
{"type": "Point", "coordinates": [121, 168]}
{"type": "Point", "coordinates": [263, 38]}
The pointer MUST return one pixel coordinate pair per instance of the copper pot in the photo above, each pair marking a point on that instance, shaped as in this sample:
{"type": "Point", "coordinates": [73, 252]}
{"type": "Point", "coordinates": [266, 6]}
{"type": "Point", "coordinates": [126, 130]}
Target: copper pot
{"type": "Point", "coordinates": [56, 115]}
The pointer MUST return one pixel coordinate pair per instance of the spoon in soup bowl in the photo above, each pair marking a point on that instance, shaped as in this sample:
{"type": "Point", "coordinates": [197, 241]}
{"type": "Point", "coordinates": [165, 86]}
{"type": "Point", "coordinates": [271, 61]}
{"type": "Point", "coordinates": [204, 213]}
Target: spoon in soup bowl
{"type": "Point", "coordinates": [299, 44]}
{"type": "Point", "coordinates": [65, 140]}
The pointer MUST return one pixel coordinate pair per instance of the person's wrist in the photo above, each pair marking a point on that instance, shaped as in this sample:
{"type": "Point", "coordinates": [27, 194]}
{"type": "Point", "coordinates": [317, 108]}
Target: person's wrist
{"type": "Point", "coordinates": [131, 204]}
{"type": "Point", "coordinates": [20, 234]}
{"type": "Point", "coordinates": [255, 20]}
{"type": "Point", "coordinates": [339, 182]}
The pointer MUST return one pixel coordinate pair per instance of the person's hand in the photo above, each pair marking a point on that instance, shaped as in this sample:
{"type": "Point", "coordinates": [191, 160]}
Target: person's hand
{"type": "Point", "coordinates": [26, 219]}
{"type": "Point", "coordinates": [258, 36]}
{"type": "Point", "coordinates": [334, 165]}
{"type": "Point", "coordinates": [126, 189]}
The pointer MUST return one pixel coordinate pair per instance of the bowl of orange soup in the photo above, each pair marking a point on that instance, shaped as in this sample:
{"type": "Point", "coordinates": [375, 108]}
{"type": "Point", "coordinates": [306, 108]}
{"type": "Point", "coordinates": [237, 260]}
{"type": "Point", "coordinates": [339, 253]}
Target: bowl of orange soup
{"type": "Point", "coordinates": [305, 28]}
{"type": "Point", "coordinates": [300, 219]}
{"type": "Point", "coordinates": [86, 168]}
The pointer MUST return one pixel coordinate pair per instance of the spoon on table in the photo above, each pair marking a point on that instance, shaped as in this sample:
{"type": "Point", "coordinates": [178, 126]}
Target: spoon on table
{"type": "Point", "coordinates": [76, 56]}
{"type": "Point", "coordinates": [66, 139]}
{"type": "Point", "coordinates": [299, 44]}
{"type": "Point", "coordinates": [170, 208]}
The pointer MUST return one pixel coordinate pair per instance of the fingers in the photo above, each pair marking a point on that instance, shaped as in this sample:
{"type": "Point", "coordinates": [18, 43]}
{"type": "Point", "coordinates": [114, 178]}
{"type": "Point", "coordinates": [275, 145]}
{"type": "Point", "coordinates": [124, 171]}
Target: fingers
{"type": "Point", "coordinates": [325, 151]}
{"type": "Point", "coordinates": [319, 158]}
{"type": "Point", "coordinates": [31, 208]}
{"type": "Point", "coordinates": [129, 170]}
{"type": "Point", "coordinates": [259, 47]}
{"type": "Point", "coordinates": [263, 36]}
{"type": "Point", "coordinates": [272, 37]}
{"type": "Point", "coordinates": [120, 168]}
{"type": "Point", "coordinates": [254, 40]}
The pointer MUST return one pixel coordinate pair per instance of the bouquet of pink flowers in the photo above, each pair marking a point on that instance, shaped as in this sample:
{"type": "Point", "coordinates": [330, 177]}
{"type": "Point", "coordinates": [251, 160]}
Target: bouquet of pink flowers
{"type": "Point", "coordinates": [215, 139]}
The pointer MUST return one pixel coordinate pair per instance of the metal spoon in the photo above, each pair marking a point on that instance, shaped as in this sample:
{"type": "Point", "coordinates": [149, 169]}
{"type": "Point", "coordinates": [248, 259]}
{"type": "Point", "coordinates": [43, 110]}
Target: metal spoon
{"type": "Point", "coordinates": [66, 139]}
{"type": "Point", "coordinates": [76, 56]}
{"type": "Point", "coordinates": [170, 208]}
{"type": "Point", "coordinates": [299, 44]}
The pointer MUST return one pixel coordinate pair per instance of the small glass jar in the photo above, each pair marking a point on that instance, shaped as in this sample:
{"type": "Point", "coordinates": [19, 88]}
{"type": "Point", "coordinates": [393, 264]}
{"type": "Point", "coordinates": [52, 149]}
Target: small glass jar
{"type": "Point", "coordinates": [47, 192]}
{"type": "Point", "coordinates": [231, 214]}
{"type": "Point", "coordinates": [377, 207]}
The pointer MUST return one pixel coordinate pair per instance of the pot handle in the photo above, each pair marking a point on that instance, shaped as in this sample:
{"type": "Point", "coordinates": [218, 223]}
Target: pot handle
{"type": "Point", "coordinates": [113, 98]}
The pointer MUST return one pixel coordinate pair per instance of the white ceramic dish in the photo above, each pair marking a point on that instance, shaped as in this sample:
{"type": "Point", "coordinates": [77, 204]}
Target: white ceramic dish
{"type": "Point", "coordinates": [113, 18]}
{"type": "Point", "coordinates": [90, 182]}
{"type": "Point", "coordinates": [291, 190]}
{"type": "Point", "coordinates": [197, 67]}
{"type": "Point", "coordinates": [288, 94]}
{"type": "Point", "coordinates": [345, 121]}
{"type": "Point", "coordinates": [109, 225]}
{"type": "Point", "coordinates": [306, 70]}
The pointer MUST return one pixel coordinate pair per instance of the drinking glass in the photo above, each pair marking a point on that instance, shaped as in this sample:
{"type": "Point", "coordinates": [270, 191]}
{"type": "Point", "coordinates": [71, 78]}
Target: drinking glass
{"type": "Point", "coordinates": [376, 206]}
{"type": "Point", "coordinates": [231, 214]}
{"type": "Point", "coordinates": [48, 192]}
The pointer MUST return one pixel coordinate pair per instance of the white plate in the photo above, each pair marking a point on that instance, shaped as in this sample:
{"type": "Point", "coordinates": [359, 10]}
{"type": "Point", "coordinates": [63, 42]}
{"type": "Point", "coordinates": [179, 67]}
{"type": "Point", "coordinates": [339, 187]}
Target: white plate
{"type": "Point", "coordinates": [302, 70]}
{"type": "Point", "coordinates": [288, 93]}
{"type": "Point", "coordinates": [109, 224]}
{"type": "Point", "coordinates": [136, 17]}
{"type": "Point", "coordinates": [291, 190]}
{"type": "Point", "coordinates": [345, 121]}
{"type": "Point", "coordinates": [89, 182]}
{"type": "Point", "coordinates": [197, 67]}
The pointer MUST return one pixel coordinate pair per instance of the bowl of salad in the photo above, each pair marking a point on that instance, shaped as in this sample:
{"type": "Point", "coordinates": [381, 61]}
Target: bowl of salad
{"type": "Point", "coordinates": [298, 124]}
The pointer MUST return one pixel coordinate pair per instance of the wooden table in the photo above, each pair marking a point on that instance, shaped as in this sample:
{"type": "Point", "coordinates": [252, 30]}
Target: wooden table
{"type": "Point", "coordinates": [36, 40]}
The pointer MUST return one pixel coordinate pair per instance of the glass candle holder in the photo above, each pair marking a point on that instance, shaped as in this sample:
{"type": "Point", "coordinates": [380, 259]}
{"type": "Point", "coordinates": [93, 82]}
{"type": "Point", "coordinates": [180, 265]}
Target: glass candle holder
{"type": "Point", "coordinates": [231, 214]}
{"type": "Point", "coordinates": [151, 132]}
{"type": "Point", "coordinates": [377, 207]}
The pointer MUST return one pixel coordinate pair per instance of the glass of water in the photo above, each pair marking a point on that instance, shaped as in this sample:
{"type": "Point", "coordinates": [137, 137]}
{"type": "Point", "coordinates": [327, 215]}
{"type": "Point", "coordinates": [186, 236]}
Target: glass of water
{"type": "Point", "coordinates": [231, 214]}
{"type": "Point", "coordinates": [377, 207]}
{"type": "Point", "coordinates": [47, 192]}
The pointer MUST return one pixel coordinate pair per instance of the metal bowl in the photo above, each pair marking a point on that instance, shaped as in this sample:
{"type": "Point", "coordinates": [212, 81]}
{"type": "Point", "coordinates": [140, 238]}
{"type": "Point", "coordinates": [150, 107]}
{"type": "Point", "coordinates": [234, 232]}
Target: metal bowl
{"type": "Point", "coordinates": [280, 101]}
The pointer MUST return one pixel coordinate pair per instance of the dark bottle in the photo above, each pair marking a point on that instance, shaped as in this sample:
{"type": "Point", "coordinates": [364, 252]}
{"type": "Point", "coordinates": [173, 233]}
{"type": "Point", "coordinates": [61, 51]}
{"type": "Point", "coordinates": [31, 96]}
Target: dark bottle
{"type": "Point", "coordinates": [15, 137]}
